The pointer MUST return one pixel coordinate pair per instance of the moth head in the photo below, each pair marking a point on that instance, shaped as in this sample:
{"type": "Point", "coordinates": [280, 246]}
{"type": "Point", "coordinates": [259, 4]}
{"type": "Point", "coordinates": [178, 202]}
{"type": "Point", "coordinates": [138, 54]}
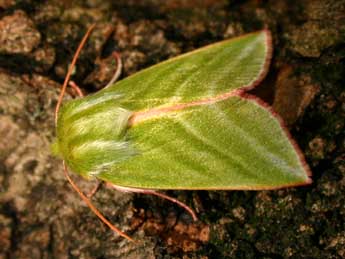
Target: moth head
{"type": "Point", "coordinates": [91, 133]}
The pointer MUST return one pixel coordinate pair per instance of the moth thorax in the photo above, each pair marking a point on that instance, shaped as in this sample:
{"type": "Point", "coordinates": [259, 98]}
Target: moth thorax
{"type": "Point", "coordinates": [92, 138]}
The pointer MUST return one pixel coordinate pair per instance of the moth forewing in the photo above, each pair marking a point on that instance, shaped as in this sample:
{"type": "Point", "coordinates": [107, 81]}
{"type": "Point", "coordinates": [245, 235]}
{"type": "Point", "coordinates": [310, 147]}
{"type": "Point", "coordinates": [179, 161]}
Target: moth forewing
{"type": "Point", "coordinates": [185, 123]}
{"type": "Point", "coordinates": [196, 127]}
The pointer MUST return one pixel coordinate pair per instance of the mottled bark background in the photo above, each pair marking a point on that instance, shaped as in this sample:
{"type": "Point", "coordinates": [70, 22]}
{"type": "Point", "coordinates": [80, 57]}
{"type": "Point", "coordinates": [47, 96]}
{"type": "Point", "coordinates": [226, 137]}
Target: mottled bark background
{"type": "Point", "coordinates": [41, 217]}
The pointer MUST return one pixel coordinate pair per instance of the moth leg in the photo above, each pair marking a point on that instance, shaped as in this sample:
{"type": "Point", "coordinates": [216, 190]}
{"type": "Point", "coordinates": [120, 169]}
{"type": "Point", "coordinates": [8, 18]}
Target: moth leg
{"type": "Point", "coordinates": [94, 190]}
{"type": "Point", "coordinates": [118, 70]}
{"type": "Point", "coordinates": [76, 88]}
{"type": "Point", "coordinates": [161, 195]}
{"type": "Point", "coordinates": [115, 77]}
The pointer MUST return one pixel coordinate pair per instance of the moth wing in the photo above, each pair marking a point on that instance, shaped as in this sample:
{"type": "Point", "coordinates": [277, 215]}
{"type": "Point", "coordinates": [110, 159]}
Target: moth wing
{"type": "Point", "coordinates": [232, 144]}
{"type": "Point", "coordinates": [206, 72]}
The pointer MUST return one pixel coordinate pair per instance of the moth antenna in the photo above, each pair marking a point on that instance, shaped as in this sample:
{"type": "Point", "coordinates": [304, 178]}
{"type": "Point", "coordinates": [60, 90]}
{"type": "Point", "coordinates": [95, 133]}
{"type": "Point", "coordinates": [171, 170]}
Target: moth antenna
{"type": "Point", "coordinates": [57, 108]}
{"type": "Point", "coordinates": [118, 70]}
{"type": "Point", "coordinates": [70, 70]}
{"type": "Point", "coordinates": [93, 208]}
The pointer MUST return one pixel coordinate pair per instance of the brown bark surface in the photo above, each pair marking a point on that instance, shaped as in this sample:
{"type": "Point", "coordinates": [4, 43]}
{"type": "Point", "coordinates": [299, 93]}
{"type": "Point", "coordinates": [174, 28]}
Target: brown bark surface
{"type": "Point", "coordinates": [42, 217]}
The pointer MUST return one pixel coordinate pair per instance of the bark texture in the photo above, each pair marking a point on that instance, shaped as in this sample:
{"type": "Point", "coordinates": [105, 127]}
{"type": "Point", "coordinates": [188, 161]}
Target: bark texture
{"type": "Point", "coordinates": [41, 217]}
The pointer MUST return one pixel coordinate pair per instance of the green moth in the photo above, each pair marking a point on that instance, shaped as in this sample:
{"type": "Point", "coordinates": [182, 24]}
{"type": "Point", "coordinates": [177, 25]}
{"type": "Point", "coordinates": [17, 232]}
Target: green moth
{"type": "Point", "coordinates": [186, 123]}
